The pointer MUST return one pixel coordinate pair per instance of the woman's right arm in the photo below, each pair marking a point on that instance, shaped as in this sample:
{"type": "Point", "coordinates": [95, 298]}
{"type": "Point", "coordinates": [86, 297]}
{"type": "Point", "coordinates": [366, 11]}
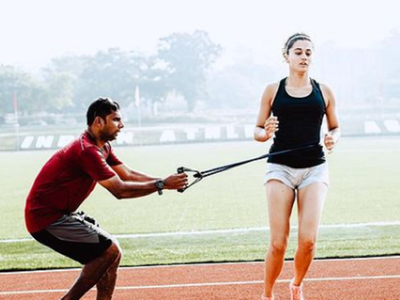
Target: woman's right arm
{"type": "Point", "coordinates": [266, 125]}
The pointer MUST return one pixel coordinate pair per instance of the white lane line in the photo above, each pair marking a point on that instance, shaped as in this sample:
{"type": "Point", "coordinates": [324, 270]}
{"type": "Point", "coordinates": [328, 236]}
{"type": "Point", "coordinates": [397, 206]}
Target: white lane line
{"type": "Point", "coordinates": [226, 231]}
{"type": "Point", "coordinates": [316, 260]}
{"type": "Point", "coordinates": [188, 285]}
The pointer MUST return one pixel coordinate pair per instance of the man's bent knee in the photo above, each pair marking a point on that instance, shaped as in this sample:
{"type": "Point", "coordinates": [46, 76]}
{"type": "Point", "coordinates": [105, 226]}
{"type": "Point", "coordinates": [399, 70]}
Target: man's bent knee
{"type": "Point", "coordinates": [114, 253]}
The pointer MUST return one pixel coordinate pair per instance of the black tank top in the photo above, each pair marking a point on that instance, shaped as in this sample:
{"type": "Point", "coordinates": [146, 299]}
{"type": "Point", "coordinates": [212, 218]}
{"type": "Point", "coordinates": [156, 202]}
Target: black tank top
{"type": "Point", "coordinates": [300, 121]}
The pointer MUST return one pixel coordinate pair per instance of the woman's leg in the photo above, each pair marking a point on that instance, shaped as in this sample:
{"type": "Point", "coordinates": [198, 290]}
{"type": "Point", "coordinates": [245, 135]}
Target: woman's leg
{"type": "Point", "coordinates": [280, 199]}
{"type": "Point", "coordinates": [310, 204]}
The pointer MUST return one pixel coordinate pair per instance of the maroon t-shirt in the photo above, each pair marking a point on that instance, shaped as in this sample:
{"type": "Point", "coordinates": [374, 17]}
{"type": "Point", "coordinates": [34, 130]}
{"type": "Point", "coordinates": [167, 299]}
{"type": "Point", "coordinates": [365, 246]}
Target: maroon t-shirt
{"type": "Point", "coordinates": [66, 180]}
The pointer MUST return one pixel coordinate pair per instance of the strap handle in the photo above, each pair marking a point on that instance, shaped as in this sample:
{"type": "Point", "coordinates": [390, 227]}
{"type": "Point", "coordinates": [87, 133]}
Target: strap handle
{"type": "Point", "coordinates": [197, 174]}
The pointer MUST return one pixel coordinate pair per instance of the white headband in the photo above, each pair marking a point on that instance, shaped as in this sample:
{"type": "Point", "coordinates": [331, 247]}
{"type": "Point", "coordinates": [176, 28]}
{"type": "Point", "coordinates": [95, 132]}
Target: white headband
{"type": "Point", "coordinates": [300, 37]}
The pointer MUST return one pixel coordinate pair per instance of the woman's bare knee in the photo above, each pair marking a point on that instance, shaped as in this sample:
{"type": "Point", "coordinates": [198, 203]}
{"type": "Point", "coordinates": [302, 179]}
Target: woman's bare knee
{"type": "Point", "coordinates": [278, 248]}
{"type": "Point", "coordinates": [307, 244]}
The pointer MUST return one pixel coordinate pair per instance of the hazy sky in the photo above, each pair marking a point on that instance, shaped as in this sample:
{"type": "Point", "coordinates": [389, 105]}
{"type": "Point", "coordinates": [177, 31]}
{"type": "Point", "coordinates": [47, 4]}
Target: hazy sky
{"type": "Point", "coordinates": [34, 31]}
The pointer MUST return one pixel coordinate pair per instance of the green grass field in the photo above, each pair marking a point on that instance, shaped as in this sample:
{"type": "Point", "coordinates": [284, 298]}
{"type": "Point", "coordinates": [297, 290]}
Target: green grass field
{"type": "Point", "coordinates": [364, 189]}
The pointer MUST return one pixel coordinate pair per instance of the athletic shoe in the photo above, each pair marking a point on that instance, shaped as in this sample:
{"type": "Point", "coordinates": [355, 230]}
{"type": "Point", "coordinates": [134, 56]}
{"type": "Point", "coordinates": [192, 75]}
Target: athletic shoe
{"type": "Point", "coordinates": [267, 298]}
{"type": "Point", "coordinates": [296, 292]}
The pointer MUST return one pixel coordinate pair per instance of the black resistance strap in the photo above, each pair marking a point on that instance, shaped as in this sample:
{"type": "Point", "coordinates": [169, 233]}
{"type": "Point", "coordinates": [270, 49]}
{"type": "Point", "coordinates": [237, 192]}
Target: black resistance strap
{"type": "Point", "coordinates": [199, 175]}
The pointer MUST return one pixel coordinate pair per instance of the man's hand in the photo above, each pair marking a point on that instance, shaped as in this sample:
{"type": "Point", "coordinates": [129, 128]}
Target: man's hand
{"type": "Point", "coordinates": [176, 181]}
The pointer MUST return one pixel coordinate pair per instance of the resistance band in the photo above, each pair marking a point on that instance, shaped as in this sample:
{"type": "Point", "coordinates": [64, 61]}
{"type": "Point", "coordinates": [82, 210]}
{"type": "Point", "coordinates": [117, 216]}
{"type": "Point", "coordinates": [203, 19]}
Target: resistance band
{"type": "Point", "coordinates": [199, 175]}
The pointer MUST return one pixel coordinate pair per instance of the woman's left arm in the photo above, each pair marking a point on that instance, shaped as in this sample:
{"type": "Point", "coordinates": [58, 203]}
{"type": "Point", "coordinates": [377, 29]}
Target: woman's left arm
{"type": "Point", "coordinates": [332, 136]}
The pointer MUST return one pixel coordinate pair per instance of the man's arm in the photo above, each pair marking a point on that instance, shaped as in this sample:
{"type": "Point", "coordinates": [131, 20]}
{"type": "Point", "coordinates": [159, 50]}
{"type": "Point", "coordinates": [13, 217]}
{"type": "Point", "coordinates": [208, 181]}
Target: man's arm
{"type": "Point", "coordinates": [145, 185]}
{"type": "Point", "coordinates": [127, 174]}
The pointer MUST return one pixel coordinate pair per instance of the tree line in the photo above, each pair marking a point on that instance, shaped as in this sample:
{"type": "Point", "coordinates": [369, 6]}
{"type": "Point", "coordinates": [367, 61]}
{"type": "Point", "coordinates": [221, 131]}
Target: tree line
{"type": "Point", "coordinates": [70, 83]}
{"type": "Point", "coordinates": [182, 65]}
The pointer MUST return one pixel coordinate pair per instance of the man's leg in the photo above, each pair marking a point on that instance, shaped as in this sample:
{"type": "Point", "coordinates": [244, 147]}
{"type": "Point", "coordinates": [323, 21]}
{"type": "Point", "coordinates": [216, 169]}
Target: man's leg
{"type": "Point", "coordinates": [93, 272]}
{"type": "Point", "coordinates": [106, 285]}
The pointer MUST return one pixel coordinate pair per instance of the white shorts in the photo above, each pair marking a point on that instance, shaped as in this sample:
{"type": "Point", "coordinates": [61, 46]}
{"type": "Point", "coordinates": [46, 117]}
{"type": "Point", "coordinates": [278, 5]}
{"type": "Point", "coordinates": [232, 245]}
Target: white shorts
{"type": "Point", "coordinates": [297, 178]}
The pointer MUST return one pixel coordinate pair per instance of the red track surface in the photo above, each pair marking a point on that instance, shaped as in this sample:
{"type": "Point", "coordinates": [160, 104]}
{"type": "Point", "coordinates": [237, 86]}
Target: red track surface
{"type": "Point", "coordinates": [356, 279]}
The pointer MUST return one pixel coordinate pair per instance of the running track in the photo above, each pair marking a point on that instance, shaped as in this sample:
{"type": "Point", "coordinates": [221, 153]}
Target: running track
{"type": "Point", "coordinates": [348, 279]}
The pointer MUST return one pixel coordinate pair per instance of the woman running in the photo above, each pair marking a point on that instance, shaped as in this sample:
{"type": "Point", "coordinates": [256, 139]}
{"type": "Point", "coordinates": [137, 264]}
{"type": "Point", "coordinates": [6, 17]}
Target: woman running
{"type": "Point", "coordinates": [292, 112]}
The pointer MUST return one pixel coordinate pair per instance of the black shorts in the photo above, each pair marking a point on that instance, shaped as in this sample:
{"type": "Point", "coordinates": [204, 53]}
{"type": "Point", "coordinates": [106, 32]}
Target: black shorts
{"type": "Point", "coordinates": [75, 238]}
